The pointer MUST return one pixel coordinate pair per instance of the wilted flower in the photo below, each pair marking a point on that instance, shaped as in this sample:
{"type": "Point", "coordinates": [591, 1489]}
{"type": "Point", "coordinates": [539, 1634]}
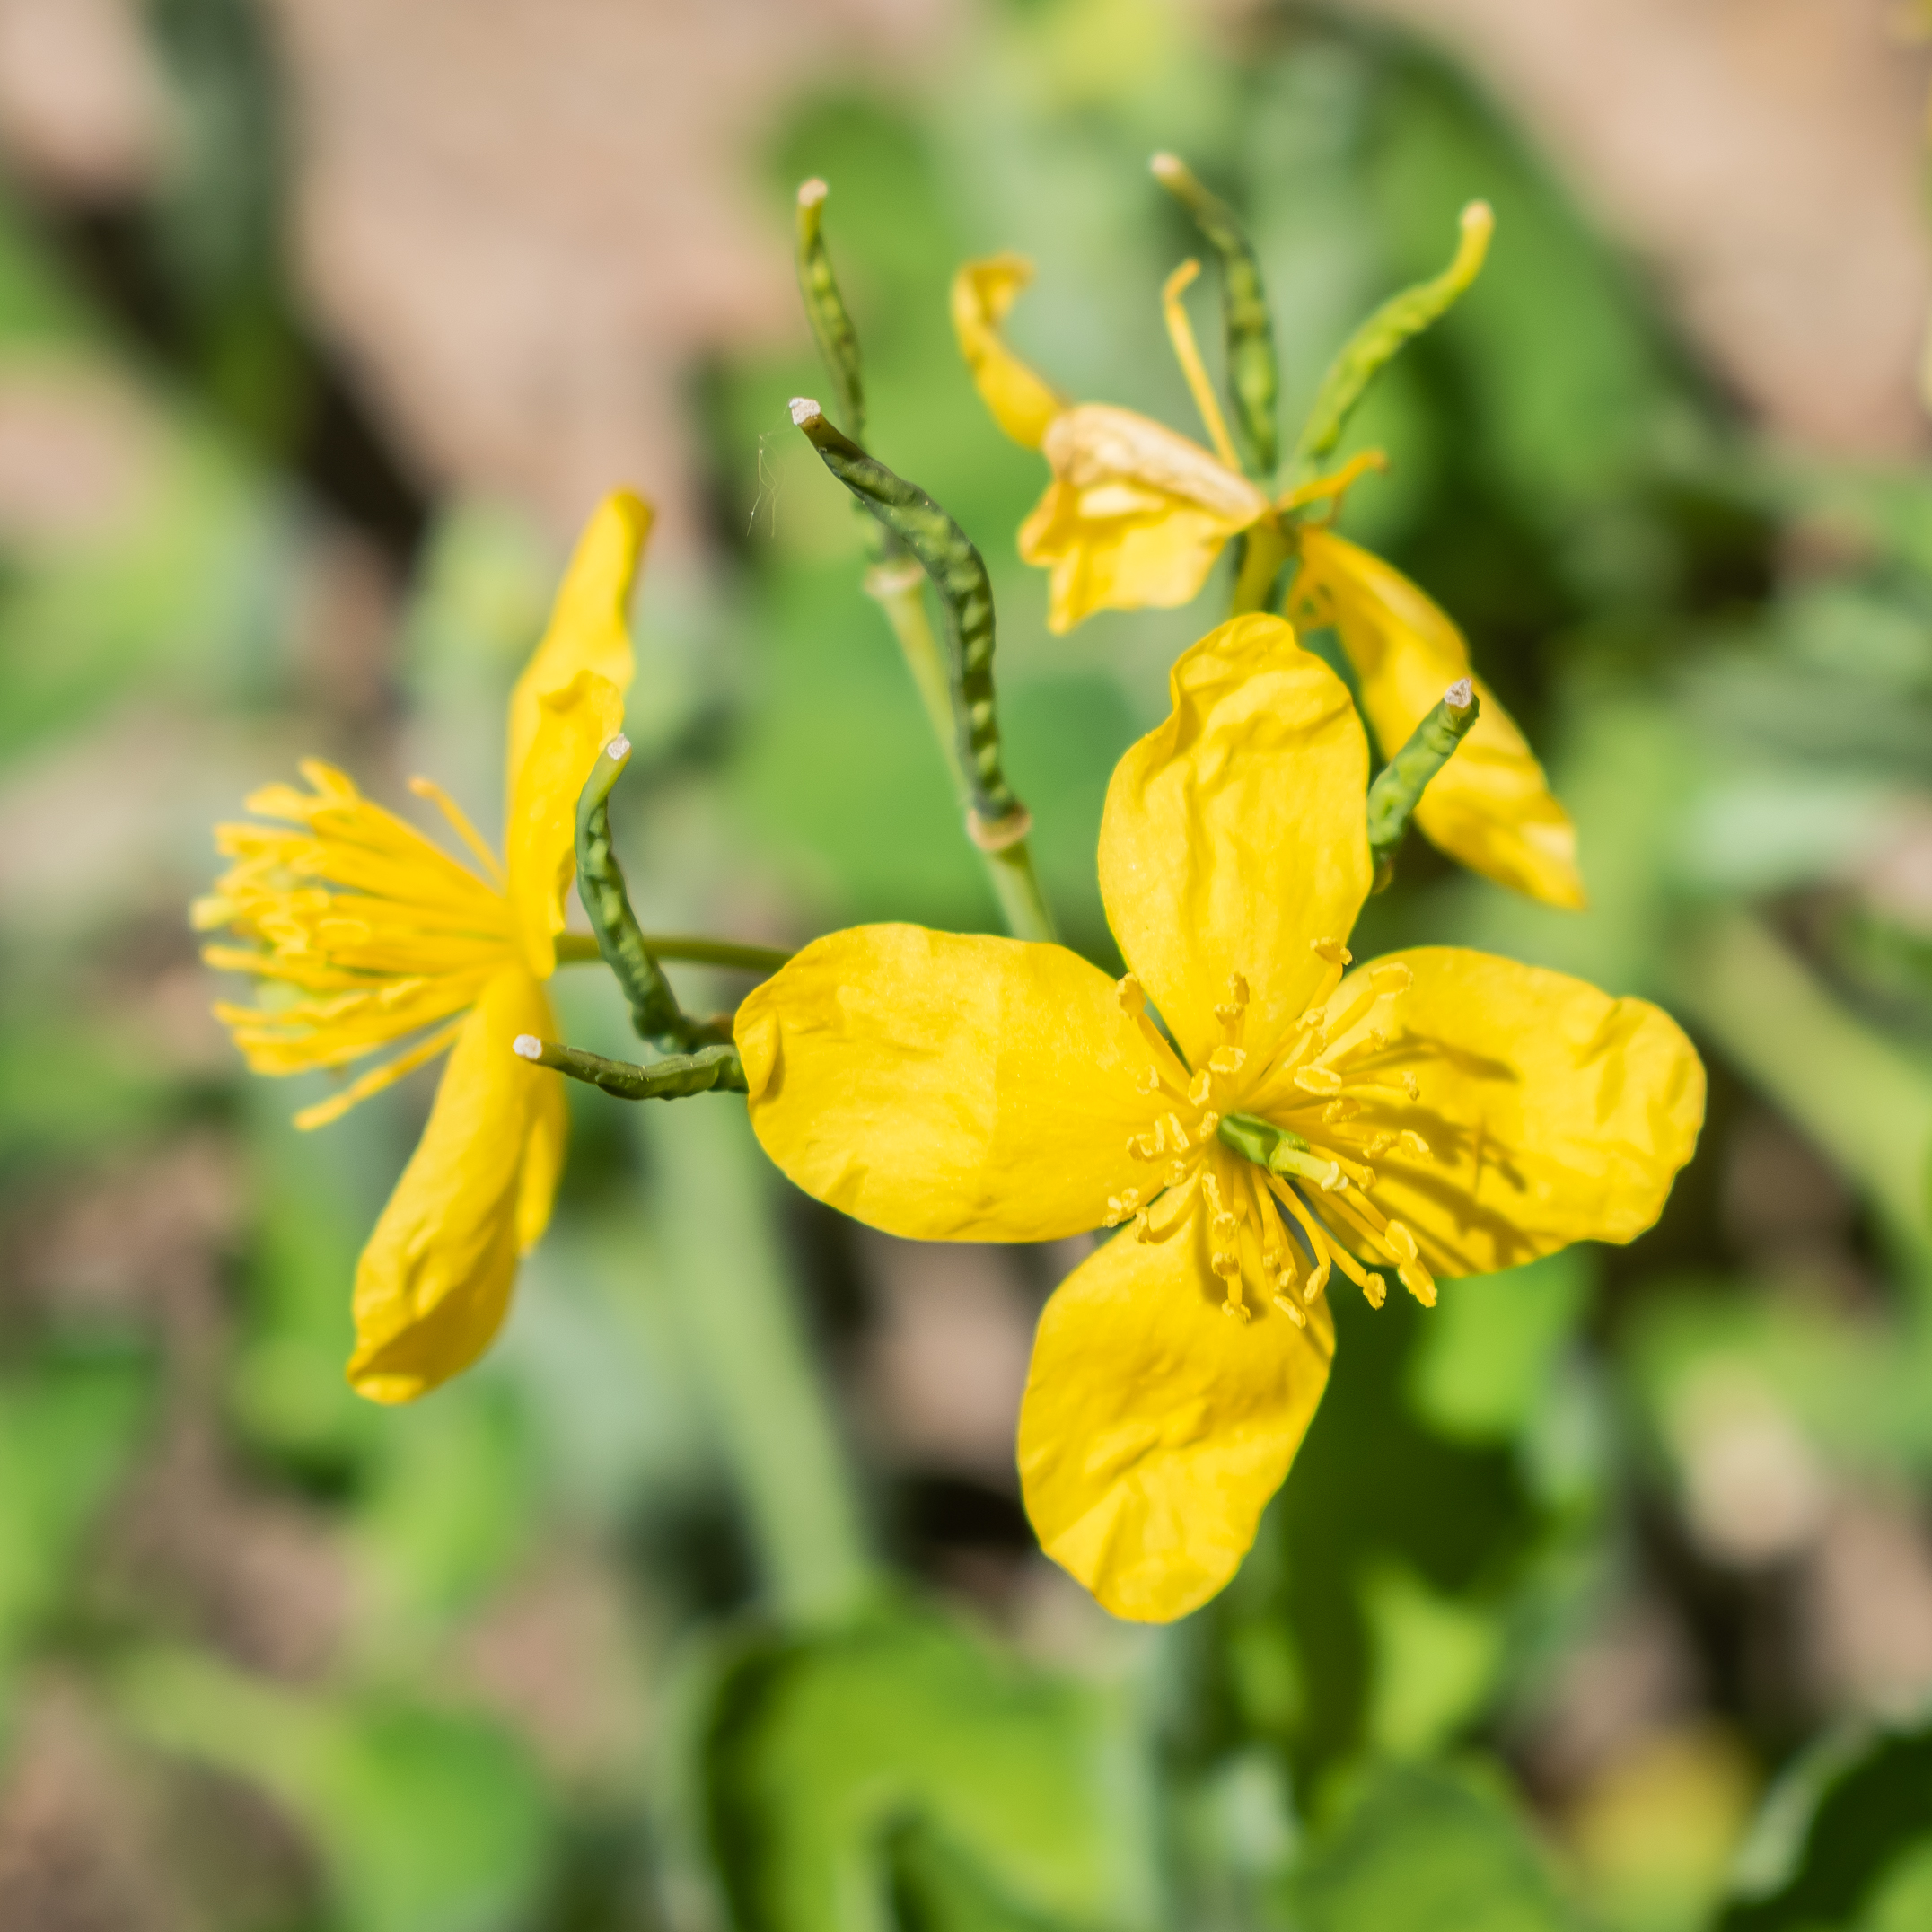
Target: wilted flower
{"type": "Point", "coordinates": [1136, 514]}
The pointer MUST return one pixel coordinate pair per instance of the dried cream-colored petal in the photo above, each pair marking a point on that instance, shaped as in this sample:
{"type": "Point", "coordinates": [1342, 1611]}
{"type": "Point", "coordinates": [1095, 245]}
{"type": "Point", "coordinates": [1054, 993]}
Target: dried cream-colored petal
{"type": "Point", "coordinates": [947, 1087]}
{"type": "Point", "coordinates": [1022, 403]}
{"type": "Point", "coordinates": [1233, 838]}
{"type": "Point", "coordinates": [1155, 1427]}
{"type": "Point", "coordinates": [1135, 516]}
{"type": "Point", "coordinates": [1490, 806]}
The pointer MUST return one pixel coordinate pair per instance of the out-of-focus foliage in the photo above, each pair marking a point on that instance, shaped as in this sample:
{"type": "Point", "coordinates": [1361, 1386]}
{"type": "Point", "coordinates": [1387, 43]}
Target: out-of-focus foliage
{"type": "Point", "coordinates": [1572, 1571]}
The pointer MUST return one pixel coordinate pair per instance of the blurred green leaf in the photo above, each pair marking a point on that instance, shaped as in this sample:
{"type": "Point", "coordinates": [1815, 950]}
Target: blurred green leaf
{"type": "Point", "coordinates": [1426, 1850]}
{"type": "Point", "coordinates": [1844, 1843]}
{"type": "Point", "coordinates": [1437, 1659]}
{"type": "Point", "coordinates": [69, 1423]}
{"type": "Point", "coordinates": [901, 1754]}
{"type": "Point", "coordinates": [1484, 1359]}
{"type": "Point", "coordinates": [427, 1821]}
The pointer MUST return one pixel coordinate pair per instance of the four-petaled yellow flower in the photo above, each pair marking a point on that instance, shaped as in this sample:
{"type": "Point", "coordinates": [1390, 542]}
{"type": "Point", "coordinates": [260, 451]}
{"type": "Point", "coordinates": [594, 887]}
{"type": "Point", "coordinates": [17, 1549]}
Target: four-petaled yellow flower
{"type": "Point", "coordinates": [1137, 513]}
{"type": "Point", "coordinates": [366, 933]}
{"type": "Point", "coordinates": [1437, 1113]}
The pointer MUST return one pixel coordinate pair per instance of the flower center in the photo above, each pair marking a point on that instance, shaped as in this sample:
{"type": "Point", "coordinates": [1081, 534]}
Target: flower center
{"type": "Point", "coordinates": [1275, 1148]}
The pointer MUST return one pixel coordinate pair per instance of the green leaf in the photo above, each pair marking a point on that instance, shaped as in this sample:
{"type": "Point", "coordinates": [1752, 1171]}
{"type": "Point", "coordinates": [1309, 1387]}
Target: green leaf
{"type": "Point", "coordinates": [67, 1429]}
{"type": "Point", "coordinates": [1844, 1840]}
{"type": "Point", "coordinates": [1426, 1850]}
{"type": "Point", "coordinates": [901, 1771]}
{"type": "Point", "coordinates": [1484, 1359]}
{"type": "Point", "coordinates": [427, 1821]}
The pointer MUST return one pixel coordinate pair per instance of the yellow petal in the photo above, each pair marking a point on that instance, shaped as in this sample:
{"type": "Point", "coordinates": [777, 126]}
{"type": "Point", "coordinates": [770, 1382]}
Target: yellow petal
{"type": "Point", "coordinates": [1490, 807]}
{"type": "Point", "coordinates": [576, 724]}
{"type": "Point", "coordinates": [1233, 836]}
{"type": "Point", "coordinates": [1155, 1426]}
{"type": "Point", "coordinates": [434, 1282]}
{"type": "Point", "coordinates": [543, 1161]}
{"type": "Point", "coordinates": [1135, 516]}
{"type": "Point", "coordinates": [585, 650]}
{"type": "Point", "coordinates": [947, 1087]}
{"type": "Point", "coordinates": [1551, 1111]}
{"type": "Point", "coordinates": [1022, 403]}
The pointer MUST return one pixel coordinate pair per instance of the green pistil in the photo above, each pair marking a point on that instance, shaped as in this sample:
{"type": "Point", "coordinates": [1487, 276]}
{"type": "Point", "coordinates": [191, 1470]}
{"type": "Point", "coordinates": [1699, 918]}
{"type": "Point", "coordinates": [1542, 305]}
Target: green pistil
{"type": "Point", "coordinates": [1281, 1152]}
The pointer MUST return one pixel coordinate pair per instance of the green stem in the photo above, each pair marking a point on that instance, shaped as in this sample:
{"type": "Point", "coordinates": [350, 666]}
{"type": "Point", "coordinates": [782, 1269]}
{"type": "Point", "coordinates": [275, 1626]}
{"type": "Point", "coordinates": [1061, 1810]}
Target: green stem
{"type": "Point", "coordinates": [899, 590]}
{"type": "Point", "coordinates": [581, 949]}
{"type": "Point", "coordinates": [1866, 1105]}
{"type": "Point", "coordinates": [776, 1431]}
{"type": "Point", "coordinates": [1264, 549]}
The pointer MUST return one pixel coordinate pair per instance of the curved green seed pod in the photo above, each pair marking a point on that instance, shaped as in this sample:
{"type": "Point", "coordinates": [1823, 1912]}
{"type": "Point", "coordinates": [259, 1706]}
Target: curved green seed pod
{"type": "Point", "coordinates": [825, 310]}
{"type": "Point", "coordinates": [1253, 374]}
{"type": "Point", "coordinates": [1398, 786]}
{"type": "Point", "coordinates": [958, 573]}
{"type": "Point", "coordinates": [1278, 1149]}
{"type": "Point", "coordinates": [711, 1069]}
{"type": "Point", "coordinates": [654, 1013]}
{"type": "Point", "coordinates": [1376, 342]}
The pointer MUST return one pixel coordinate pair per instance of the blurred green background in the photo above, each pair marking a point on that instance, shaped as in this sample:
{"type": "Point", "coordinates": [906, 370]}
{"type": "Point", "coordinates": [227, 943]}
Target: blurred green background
{"type": "Point", "coordinates": [1599, 1597]}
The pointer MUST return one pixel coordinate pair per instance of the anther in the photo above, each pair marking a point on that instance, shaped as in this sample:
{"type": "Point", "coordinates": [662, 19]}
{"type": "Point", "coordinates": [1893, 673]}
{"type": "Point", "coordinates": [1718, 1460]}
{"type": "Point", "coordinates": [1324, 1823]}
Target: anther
{"type": "Point", "coordinates": [1411, 1085]}
{"type": "Point", "coordinates": [1200, 1087]}
{"type": "Point", "coordinates": [1416, 1280]}
{"type": "Point", "coordinates": [1375, 1289]}
{"type": "Point", "coordinates": [1331, 950]}
{"type": "Point", "coordinates": [1400, 1239]}
{"type": "Point", "coordinates": [1237, 988]}
{"type": "Point", "coordinates": [1150, 1080]}
{"type": "Point", "coordinates": [1131, 998]}
{"type": "Point", "coordinates": [1413, 1143]}
{"type": "Point", "coordinates": [1392, 977]}
{"type": "Point", "coordinates": [1322, 1080]}
{"type": "Point", "coordinates": [1226, 1060]}
{"type": "Point", "coordinates": [1291, 1310]}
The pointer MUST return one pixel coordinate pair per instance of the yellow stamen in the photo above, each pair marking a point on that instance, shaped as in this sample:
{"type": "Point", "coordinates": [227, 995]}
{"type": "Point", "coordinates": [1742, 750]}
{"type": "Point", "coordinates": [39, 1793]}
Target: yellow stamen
{"type": "Point", "coordinates": [1335, 485]}
{"type": "Point", "coordinates": [1181, 332]}
{"type": "Point", "coordinates": [429, 788]}
{"type": "Point", "coordinates": [379, 1078]}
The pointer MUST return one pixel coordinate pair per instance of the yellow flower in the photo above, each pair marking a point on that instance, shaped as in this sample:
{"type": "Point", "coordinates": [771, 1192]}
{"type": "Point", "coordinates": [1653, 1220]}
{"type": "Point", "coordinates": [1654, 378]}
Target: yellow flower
{"type": "Point", "coordinates": [365, 933]}
{"type": "Point", "coordinates": [1136, 516]}
{"type": "Point", "coordinates": [1437, 1113]}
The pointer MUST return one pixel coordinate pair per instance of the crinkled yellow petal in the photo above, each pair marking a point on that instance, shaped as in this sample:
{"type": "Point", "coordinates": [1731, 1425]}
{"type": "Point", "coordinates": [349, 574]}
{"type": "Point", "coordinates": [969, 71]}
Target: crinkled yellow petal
{"type": "Point", "coordinates": [1155, 1426]}
{"type": "Point", "coordinates": [1490, 807]}
{"type": "Point", "coordinates": [576, 724]}
{"type": "Point", "coordinates": [1233, 836]}
{"type": "Point", "coordinates": [1022, 403]}
{"type": "Point", "coordinates": [585, 652]}
{"type": "Point", "coordinates": [1135, 516]}
{"type": "Point", "coordinates": [1552, 1112]}
{"type": "Point", "coordinates": [947, 1087]}
{"type": "Point", "coordinates": [434, 1282]}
